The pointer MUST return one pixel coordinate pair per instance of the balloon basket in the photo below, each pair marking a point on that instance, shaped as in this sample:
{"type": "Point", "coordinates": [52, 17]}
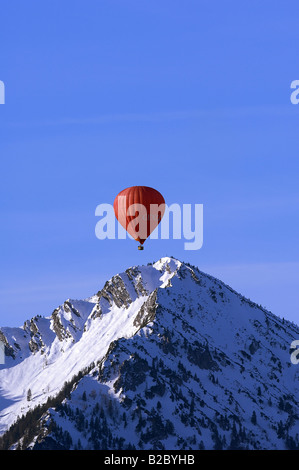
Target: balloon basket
{"type": "Point", "coordinates": [140, 247]}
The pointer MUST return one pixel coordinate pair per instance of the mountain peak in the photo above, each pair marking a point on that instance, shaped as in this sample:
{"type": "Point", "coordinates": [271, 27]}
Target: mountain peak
{"type": "Point", "coordinates": [171, 263]}
{"type": "Point", "coordinates": [172, 349]}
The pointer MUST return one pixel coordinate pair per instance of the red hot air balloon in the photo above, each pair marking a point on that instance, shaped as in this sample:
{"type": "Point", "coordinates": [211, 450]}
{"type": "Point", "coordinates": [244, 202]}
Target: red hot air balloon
{"type": "Point", "coordinates": [139, 209]}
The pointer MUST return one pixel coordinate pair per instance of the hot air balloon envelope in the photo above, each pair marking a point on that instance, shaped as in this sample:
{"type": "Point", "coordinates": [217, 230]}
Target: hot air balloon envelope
{"type": "Point", "coordinates": [139, 209]}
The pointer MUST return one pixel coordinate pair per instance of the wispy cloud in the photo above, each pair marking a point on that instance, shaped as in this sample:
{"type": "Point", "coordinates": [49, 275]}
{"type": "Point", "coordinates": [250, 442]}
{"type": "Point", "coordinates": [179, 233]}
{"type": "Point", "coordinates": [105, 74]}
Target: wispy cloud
{"type": "Point", "coordinates": [164, 116]}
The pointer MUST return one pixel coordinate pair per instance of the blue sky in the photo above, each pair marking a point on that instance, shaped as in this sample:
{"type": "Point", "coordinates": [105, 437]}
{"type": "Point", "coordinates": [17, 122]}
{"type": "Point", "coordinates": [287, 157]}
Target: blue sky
{"type": "Point", "coordinates": [191, 98]}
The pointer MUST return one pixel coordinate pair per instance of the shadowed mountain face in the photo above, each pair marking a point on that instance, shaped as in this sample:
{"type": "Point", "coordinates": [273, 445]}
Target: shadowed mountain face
{"type": "Point", "coordinates": [163, 357]}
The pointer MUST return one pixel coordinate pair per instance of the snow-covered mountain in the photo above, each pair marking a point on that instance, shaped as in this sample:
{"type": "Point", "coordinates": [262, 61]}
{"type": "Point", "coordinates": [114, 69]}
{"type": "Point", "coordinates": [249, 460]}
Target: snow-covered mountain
{"type": "Point", "coordinates": [163, 357]}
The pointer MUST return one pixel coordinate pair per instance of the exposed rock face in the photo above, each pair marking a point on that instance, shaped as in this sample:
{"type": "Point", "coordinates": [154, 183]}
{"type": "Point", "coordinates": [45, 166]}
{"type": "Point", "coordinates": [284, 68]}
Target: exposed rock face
{"type": "Point", "coordinates": [200, 355]}
{"type": "Point", "coordinates": [8, 350]}
{"type": "Point", "coordinates": [147, 312]}
{"type": "Point", "coordinates": [115, 291]}
{"type": "Point", "coordinates": [57, 325]}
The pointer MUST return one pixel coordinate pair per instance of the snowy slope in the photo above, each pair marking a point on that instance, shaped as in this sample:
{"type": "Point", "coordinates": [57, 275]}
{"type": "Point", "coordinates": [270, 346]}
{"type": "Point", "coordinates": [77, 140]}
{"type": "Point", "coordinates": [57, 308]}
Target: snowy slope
{"type": "Point", "coordinates": [46, 352]}
{"type": "Point", "coordinates": [176, 360]}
